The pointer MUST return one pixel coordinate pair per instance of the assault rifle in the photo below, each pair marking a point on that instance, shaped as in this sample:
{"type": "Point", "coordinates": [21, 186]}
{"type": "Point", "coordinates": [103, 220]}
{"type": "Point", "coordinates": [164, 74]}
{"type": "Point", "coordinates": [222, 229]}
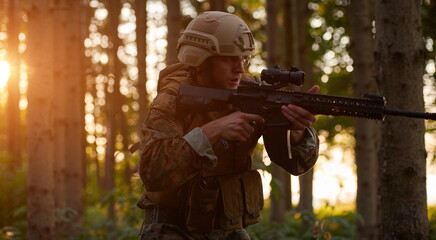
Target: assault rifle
{"type": "Point", "coordinates": [266, 100]}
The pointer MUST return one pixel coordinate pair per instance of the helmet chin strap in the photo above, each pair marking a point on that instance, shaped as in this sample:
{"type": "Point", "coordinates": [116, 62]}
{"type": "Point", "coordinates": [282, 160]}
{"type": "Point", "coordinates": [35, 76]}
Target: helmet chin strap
{"type": "Point", "coordinates": [202, 75]}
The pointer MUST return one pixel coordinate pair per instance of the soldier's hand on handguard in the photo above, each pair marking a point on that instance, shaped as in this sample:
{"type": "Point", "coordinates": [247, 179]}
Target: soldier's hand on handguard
{"type": "Point", "coordinates": [299, 118]}
{"type": "Point", "coordinates": [233, 127]}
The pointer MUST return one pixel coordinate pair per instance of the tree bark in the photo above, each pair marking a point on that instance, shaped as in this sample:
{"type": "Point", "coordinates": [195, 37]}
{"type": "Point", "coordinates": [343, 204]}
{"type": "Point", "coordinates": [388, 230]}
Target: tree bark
{"type": "Point", "coordinates": [40, 179]}
{"type": "Point", "coordinates": [74, 174]}
{"type": "Point", "coordinates": [141, 43]}
{"type": "Point", "coordinates": [13, 111]}
{"type": "Point", "coordinates": [271, 32]}
{"type": "Point", "coordinates": [299, 28]}
{"type": "Point", "coordinates": [402, 163]}
{"type": "Point", "coordinates": [287, 62]}
{"type": "Point", "coordinates": [218, 5]}
{"type": "Point", "coordinates": [13, 122]}
{"type": "Point", "coordinates": [113, 108]}
{"type": "Point", "coordinates": [365, 131]}
{"type": "Point", "coordinates": [279, 204]}
{"type": "Point", "coordinates": [60, 111]}
{"type": "Point", "coordinates": [174, 24]}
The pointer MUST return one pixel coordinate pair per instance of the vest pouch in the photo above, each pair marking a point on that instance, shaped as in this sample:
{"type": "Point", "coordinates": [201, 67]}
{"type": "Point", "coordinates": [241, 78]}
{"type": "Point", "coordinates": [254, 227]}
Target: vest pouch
{"type": "Point", "coordinates": [201, 207]}
{"type": "Point", "coordinates": [253, 194]}
{"type": "Point", "coordinates": [232, 202]}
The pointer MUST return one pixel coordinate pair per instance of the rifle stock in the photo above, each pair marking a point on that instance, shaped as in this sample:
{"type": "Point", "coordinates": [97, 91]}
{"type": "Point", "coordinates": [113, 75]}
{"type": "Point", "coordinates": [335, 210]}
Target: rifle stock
{"type": "Point", "coordinates": [267, 102]}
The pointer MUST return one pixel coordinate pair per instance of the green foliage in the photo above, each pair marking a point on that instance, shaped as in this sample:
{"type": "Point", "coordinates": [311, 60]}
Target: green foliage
{"type": "Point", "coordinates": [306, 225]}
{"type": "Point", "coordinates": [432, 222]}
{"type": "Point", "coordinates": [128, 218]}
{"type": "Point", "coordinates": [330, 57]}
{"type": "Point", "coordinates": [12, 200]}
{"type": "Point", "coordinates": [328, 223]}
{"type": "Point", "coordinates": [127, 225]}
{"type": "Point", "coordinates": [428, 10]}
{"type": "Point", "coordinates": [95, 224]}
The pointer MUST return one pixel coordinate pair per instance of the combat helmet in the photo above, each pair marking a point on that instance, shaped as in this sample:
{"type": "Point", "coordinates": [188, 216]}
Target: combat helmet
{"type": "Point", "coordinates": [214, 33]}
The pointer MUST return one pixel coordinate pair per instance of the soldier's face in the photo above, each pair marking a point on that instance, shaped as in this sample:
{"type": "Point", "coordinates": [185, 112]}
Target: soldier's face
{"type": "Point", "coordinates": [226, 71]}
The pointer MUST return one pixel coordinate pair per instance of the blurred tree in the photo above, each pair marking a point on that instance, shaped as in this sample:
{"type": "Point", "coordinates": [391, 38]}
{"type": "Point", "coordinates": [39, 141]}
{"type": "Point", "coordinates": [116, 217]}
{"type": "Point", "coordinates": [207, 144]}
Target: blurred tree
{"type": "Point", "coordinates": [74, 131]}
{"type": "Point", "coordinates": [13, 129]}
{"type": "Point", "coordinates": [399, 59]}
{"type": "Point", "coordinates": [141, 45]}
{"type": "Point", "coordinates": [141, 48]}
{"type": "Point", "coordinates": [280, 178]}
{"type": "Point", "coordinates": [113, 108]}
{"type": "Point", "coordinates": [218, 5]}
{"type": "Point", "coordinates": [40, 184]}
{"type": "Point", "coordinates": [366, 132]}
{"type": "Point", "coordinates": [95, 80]}
{"type": "Point", "coordinates": [174, 21]}
{"type": "Point", "coordinates": [13, 113]}
{"type": "Point", "coordinates": [287, 62]}
{"type": "Point", "coordinates": [122, 101]}
{"type": "Point", "coordinates": [297, 51]}
{"type": "Point", "coordinates": [60, 120]}
{"type": "Point", "coordinates": [271, 33]}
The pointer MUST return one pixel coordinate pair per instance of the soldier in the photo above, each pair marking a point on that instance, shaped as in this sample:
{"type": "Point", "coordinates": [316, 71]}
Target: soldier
{"type": "Point", "coordinates": [197, 167]}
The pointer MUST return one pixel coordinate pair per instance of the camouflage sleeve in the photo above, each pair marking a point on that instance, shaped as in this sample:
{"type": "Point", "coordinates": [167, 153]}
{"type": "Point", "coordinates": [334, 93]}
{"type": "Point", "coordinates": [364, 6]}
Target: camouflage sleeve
{"type": "Point", "coordinates": [166, 159]}
{"type": "Point", "coordinates": [201, 145]}
{"type": "Point", "coordinates": [307, 151]}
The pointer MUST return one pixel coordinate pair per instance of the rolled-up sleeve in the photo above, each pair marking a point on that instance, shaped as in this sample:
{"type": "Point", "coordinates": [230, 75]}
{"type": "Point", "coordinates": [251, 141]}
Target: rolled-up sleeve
{"type": "Point", "coordinates": [167, 158]}
{"type": "Point", "coordinates": [201, 145]}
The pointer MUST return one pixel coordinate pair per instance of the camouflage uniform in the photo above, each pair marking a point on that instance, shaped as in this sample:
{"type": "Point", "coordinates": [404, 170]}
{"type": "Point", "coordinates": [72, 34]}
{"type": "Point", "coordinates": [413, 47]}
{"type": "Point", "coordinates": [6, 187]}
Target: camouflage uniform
{"type": "Point", "coordinates": [173, 156]}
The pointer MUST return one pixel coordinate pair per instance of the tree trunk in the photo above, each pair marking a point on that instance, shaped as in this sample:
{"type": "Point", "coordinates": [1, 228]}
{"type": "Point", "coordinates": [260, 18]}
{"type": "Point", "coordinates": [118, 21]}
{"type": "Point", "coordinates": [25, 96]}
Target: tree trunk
{"type": "Point", "coordinates": [112, 108]}
{"type": "Point", "coordinates": [299, 15]}
{"type": "Point", "coordinates": [74, 174]}
{"type": "Point", "coordinates": [287, 63]}
{"type": "Point", "coordinates": [365, 131]}
{"type": "Point", "coordinates": [218, 5]}
{"type": "Point", "coordinates": [13, 112]}
{"type": "Point", "coordinates": [60, 111]}
{"type": "Point", "coordinates": [124, 131]}
{"type": "Point", "coordinates": [174, 24]}
{"type": "Point", "coordinates": [40, 179]}
{"type": "Point", "coordinates": [296, 16]}
{"type": "Point", "coordinates": [93, 158]}
{"type": "Point", "coordinates": [13, 121]}
{"type": "Point", "coordinates": [271, 32]}
{"type": "Point", "coordinates": [402, 163]}
{"type": "Point", "coordinates": [141, 43]}
{"type": "Point", "coordinates": [279, 204]}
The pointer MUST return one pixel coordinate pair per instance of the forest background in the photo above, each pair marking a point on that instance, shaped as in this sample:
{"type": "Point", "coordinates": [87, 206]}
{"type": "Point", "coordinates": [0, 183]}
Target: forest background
{"type": "Point", "coordinates": [76, 78]}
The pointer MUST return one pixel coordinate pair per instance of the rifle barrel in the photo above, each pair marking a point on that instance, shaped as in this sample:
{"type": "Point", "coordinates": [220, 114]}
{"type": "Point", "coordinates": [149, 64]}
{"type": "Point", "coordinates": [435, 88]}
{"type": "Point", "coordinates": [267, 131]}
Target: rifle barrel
{"type": "Point", "coordinates": [397, 112]}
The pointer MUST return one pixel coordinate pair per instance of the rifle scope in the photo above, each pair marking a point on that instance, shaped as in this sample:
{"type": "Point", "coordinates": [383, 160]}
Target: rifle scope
{"type": "Point", "coordinates": [279, 75]}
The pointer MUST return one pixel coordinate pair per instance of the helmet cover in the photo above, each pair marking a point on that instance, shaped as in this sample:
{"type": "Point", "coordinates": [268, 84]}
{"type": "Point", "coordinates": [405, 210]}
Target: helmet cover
{"type": "Point", "coordinates": [214, 33]}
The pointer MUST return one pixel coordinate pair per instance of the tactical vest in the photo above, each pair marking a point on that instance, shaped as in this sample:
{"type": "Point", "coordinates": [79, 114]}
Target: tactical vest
{"type": "Point", "coordinates": [228, 196]}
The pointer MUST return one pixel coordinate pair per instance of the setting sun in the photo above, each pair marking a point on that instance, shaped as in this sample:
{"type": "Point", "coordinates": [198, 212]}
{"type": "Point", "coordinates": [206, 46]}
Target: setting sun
{"type": "Point", "coordinates": [4, 73]}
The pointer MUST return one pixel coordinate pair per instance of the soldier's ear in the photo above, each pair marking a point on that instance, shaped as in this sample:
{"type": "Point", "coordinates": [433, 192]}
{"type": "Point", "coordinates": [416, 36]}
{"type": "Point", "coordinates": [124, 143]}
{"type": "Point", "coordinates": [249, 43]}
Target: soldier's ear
{"type": "Point", "coordinates": [205, 66]}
